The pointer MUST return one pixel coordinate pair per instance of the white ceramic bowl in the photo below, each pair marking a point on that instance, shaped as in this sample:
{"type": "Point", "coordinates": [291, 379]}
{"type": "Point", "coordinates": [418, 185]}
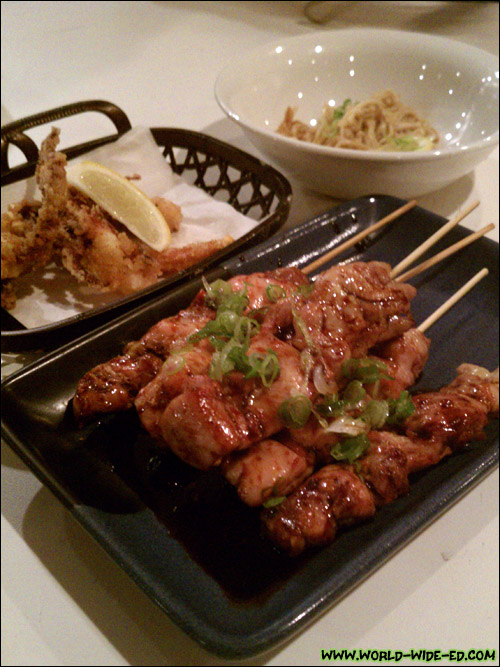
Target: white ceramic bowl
{"type": "Point", "coordinates": [453, 85]}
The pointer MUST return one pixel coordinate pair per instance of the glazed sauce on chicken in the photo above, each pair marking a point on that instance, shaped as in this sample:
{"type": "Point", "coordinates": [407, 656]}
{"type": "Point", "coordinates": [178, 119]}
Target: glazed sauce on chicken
{"type": "Point", "coordinates": [197, 445]}
{"type": "Point", "coordinates": [200, 509]}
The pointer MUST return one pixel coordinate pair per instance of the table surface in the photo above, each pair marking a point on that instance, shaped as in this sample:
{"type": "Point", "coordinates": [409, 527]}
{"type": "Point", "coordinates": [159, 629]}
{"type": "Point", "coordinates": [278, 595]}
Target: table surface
{"type": "Point", "coordinates": [64, 601]}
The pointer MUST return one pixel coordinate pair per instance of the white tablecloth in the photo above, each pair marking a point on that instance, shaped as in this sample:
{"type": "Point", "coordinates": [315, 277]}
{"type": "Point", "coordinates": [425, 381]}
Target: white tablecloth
{"type": "Point", "coordinates": [63, 601]}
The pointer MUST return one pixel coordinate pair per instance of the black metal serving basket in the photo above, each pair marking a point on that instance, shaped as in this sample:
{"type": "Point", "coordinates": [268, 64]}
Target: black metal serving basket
{"type": "Point", "coordinates": [250, 186]}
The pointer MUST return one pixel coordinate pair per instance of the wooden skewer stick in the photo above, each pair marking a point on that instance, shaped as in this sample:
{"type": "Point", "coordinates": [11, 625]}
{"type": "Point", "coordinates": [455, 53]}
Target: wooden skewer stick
{"type": "Point", "coordinates": [444, 253]}
{"type": "Point", "coordinates": [432, 240]}
{"type": "Point", "coordinates": [358, 237]}
{"type": "Point", "coordinates": [452, 300]}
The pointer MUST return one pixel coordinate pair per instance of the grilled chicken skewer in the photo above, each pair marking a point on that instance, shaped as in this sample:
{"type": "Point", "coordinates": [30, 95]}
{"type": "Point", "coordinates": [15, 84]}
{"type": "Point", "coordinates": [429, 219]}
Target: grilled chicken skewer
{"type": "Point", "coordinates": [275, 468]}
{"type": "Point", "coordinates": [336, 495]}
{"type": "Point", "coordinates": [351, 308]}
{"type": "Point", "coordinates": [269, 468]}
{"type": "Point", "coordinates": [203, 422]}
{"type": "Point", "coordinates": [254, 473]}
{"type": "Point", "coordinates": [113, 385]}
{"type": "Point", "coordinates": [209, 418]}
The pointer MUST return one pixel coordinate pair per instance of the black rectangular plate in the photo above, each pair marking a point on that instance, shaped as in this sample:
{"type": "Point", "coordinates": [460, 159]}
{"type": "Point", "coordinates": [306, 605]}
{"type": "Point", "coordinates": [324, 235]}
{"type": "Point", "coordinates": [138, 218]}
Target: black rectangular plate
{"type": "Point", "coordinates": [182, 535]}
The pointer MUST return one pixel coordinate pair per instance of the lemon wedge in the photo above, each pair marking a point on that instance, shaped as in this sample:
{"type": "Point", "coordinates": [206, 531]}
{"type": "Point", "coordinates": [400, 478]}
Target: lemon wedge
{"type": "Point", "coordinates": [122, 200]}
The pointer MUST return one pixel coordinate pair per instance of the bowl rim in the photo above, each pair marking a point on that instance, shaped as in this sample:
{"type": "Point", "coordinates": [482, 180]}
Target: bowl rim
{"type": "Point", "coordinates": [485, 143]}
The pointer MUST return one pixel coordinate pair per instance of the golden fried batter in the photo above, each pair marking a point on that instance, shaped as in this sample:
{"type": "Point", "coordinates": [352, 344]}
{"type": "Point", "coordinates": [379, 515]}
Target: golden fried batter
{"type": "Point", "coordinates": [71, 228]}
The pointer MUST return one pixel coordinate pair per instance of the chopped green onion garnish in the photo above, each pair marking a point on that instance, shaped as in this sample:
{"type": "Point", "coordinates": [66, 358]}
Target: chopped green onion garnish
{"type": "Point", "coordinates": [347, 426]}
{"type": "Point", "coordinates": [267, 368]}
{"type": "Point", "coordinates": [350, 449]}
{"type": "Point", "coordinates": [238, 302]}
{"type": "Point", "coordinates": [222, 326]}
{"type": "Point", "coordinates": [228, 324]}
{"type": "Point", "coordinates": [245, 328]}
{"type": "Point", "coordinates": [258, 312]}
{"type": "Point", "coordinates": [275, 293]}
{"type": "Point", "coordinates": [366, 371]}
{"type": "Point", "coordinates": [306, 363]}
{"type": "Point", "coordinates": [407, 143]}
{"type": "Point", "coordinates": [295, 411]}
{"type": "Point", "coordinates": [273, 501]}
{"type": "Point", "coordinates": [330, 406]}
{"type": "Point", "coordinates": [173, 364]}
{"type": "Point", "coordinates": [353, 393]}
{"type": "Point", "coordinates": [322, 421]}
{"type": "Point", "coordinates": [328, 125]}
{"type": "Point", "coordinates": [233, 357]}
{"type": "Point", "coordinates": [358, 468]}
{"type": "Point", "coordinates": [230, 334]}
{"type": "Point", "coordinates": [221, 296]}
{"type": "Point", "coordinates": [225, 360]}
{"type": "Point", "coordinates": [376, 413]}
{"type": "Point", "coordinates": [216, 342]}
{"type": "Point", "coordinates": [216, 292]}
{"type": "Point", "coordinates": [305, 290]}
{"type": "Point", "coordinates": [400, 408]}
{"type": "Point", "coordinates": [339, 112]}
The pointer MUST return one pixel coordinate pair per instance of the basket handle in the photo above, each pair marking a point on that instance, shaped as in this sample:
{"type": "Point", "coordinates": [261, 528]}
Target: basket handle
{"type": "Point", "coordinates": [13, 133]}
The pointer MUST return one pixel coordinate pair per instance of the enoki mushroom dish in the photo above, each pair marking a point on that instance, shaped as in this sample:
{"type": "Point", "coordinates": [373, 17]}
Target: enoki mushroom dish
{"type": "Point", "coordinates": [298, 393]}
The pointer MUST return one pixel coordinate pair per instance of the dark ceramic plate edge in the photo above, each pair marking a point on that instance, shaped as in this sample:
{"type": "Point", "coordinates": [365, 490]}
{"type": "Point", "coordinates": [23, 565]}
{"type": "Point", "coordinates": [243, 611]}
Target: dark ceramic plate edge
{"type": "Point", "coordinates": [229, 645]}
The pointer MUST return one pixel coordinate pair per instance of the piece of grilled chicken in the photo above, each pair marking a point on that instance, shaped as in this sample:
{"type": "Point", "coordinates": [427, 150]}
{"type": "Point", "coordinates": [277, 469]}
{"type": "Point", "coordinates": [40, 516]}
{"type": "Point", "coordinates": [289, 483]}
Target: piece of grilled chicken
{"type": "Point", "coordinates": [276, 467]}
{"type": "Point", "coordinates": [113, 385]}
{"type": "Point", "coordinates": [350, 309]}
{"type": "Point", "coordinates": [336, 495]}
